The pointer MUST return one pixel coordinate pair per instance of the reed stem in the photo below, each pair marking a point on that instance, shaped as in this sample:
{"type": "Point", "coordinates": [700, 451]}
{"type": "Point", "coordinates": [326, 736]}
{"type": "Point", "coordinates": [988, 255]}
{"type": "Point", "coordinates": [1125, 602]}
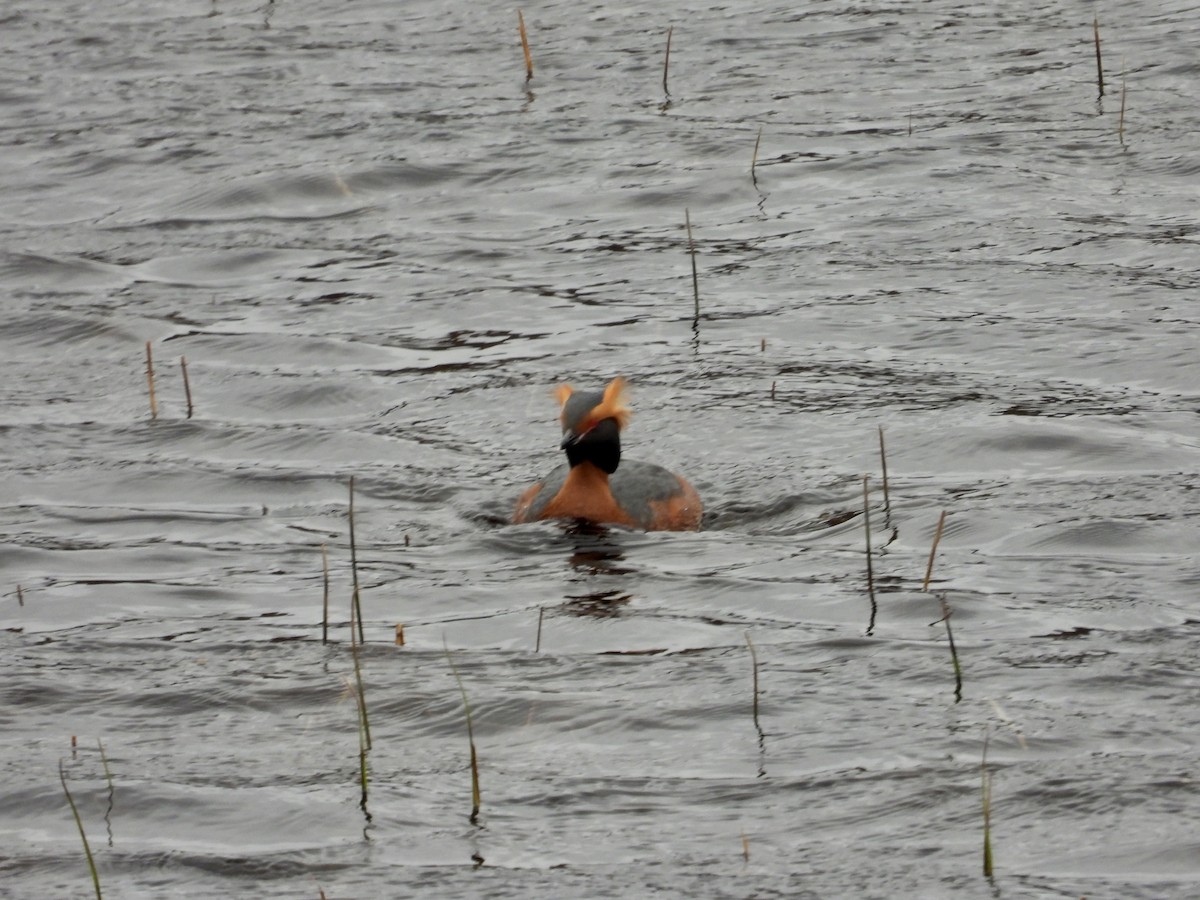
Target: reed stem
{"type": "Point", "coordinates": [986, 791]}
{"type": "Point", "coordinates": [667, 60]}
{"type": "Point", "coordinates": [361, 691]}
{"type": "Point", "coordinates": [754, 667]}
{"type": "Point", "coordinates": [62, 776]}
{"type": "Point", "coordinates": [187, 385]}
{"type": "Point", "coordinates": [946, 613]}
{"type": "Point", "coordinates": [754, 158]}
{"type": "Point", "coordinates": [475, 794]}
{"type": "Point", "coordinates": [1099, 64]}
{"type": "Point", "coordinates": [687, 219]}
{"type": "Point", "coordinates": [887, 500]}
{"type": "Point", "coordinates": [1121, 119]}
{"type": "Point", "coordinates": [325, 595]}
{"type": "Point", "coordinates": [870, 567]}
{"type": "Point", "coordinates": [525, 47]}
{"type": "Point", "coordinates": [150, 381]}
{"type": "Point", "coordinates": [537, 646]}
{"type": "Point", "coordinates": [937, 537]}
{"type": "Point", "coordinates": [356, 604]}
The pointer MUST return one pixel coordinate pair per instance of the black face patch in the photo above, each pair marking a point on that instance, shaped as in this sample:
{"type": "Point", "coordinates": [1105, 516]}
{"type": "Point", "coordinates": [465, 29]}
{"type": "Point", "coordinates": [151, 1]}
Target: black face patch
{"type": "Point", "coordinates": [601, 446]}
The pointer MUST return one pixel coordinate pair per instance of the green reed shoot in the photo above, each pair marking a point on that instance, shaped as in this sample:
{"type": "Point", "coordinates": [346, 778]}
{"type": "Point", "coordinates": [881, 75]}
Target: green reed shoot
{"type": "Point", "coordinates": [62, 776]}
{"type": "Point", "coordinates": [937, 537]}
{"type": "Point", "coordinates": [946, 613]}
{"type": "Point", "coordinates": [187, 385]}
{"type": "Point", "coordinates": [525, 46]}
{"type": "Point", "coordinates": [1099, 64]}
{"type": "Point", "coordinates": [687, 219]}
{"type": "Point", "coordinates": [150, 381]}
{"type": "Point", "coordinates": [986, 797]}
{"type": "Point", "coordinates": [356, 604]}
{"type": "Point", "coordinates": [475, 795]}
{"type": "Point", "coordinates": [754, 668]}
{"type": "Point", "coordinates": [667, 60]}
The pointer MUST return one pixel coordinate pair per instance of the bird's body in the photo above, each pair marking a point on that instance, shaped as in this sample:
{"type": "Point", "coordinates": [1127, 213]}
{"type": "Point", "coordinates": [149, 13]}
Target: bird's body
{"type": "Point", "coordinates": [596, 485]}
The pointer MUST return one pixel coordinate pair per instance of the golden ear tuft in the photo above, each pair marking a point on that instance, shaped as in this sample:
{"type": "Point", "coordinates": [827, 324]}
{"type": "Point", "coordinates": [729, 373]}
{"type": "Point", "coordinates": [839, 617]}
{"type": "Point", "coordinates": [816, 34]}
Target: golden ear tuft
{"type": "Point", "coordinates": [613, 406]}
{"type": "Point", "coordinates": [563, 393]}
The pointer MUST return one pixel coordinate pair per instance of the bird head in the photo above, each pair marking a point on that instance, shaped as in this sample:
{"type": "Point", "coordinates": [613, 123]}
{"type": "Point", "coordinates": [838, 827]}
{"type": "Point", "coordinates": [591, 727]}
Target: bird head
{"type": "Point", "coordinates": [592, 423]}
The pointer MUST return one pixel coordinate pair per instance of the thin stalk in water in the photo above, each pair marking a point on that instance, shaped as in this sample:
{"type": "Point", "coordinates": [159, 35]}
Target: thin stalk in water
{"type": "Point", "coordinates": [325, 597]}
{"type": "Point", "coordinates": [754, 158]}
{"type": "Point", "coordinates": [62, 776]}
{"type": "Point", "coordinates": [937, 537]}
{"type": "Point", "coordinates": [187, 385]}
{"type": "Point", "coordinates": [870, 567]}
{"type": "Point", "coordinates": [475, 795]}
{"type": "Point", "coordinates": [356, 610]}
{"type": "Point", "coordinates": [946, 613]}
{"type": "Point", "coordinates": [687, 219]}
{"type": "Point", "coordinates": [525, 47]}
{"type": "Point", "coordinates": [667, 60]}
{"type": "Point", "coordinates": [887, 500]}
{"type": "Point", "coordinates": [754, 667]}
{"type": "Point", "coordinates": [986, 792]}
{"type": "Point", "coordinates": [150, 381]}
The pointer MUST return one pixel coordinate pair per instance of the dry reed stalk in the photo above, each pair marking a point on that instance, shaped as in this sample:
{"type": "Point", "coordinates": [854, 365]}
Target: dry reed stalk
{"type": "Point", "coordinates": [762, 347]}
{"type": "Point", "coordinates": [667, 60]}
{"type": "Point", "coordinates": [525, 46]}
{"type": "Point", "coordinates": [687, 219]}
{"type": "Point", "coordinates": [475, 795]}
{"type": "Point", "coordinates": [356, 604]}
{"type": "Point", "coordinates": [325, 596]}
{"type": "Point", "coordinates": [150, 381]}
{"type": "Point", "coordinates": [745, 847]}
{"type": "Point", "coordinates": [1099, 65]}
{"type": "Point", "coordinates": [400, 635]}
{"type": "Point", "coordinates": [754, 158]}
{"type": "Point", "coordinates": [62, 776]}
{"type": "Point", "coordinates": [772, 390]}
{"type": "Point", "coordinates": [937, 537]}
{"type": "Point", "coordinates": [537, 646]}
{"type": "Point", "coordinates": [20, 596]}
{"type": "Point", "coordinates": [187, 385]}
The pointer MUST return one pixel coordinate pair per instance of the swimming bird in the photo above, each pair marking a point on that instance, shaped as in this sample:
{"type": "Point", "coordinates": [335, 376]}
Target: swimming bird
{"type": "Point", "coordinates": [595, 484]}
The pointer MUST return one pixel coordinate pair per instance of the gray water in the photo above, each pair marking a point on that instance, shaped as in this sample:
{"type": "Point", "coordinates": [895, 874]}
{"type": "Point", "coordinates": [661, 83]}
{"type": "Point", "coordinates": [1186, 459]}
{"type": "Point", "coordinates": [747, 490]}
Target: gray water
{"type": "Point", "coordinates": [379, 250]}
